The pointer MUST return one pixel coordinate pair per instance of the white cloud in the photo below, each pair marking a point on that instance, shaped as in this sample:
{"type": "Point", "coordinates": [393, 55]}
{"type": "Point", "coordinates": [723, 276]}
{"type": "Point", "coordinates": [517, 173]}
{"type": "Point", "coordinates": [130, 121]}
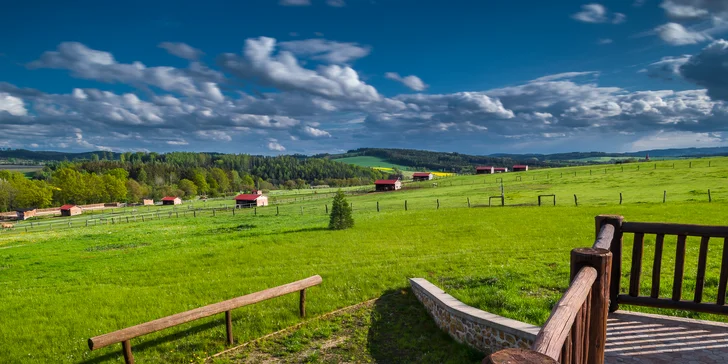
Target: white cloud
{"type": "Point", "coordinates": [181, 50]}
{"type": "Point", "coordinates": [283, 71]}
{"type": "Point", "coordinates": [326, 50]}
{"type": "Point", "coordinates": [605, 41]}
{"type": "Point", "coordinates": [691, 9]}
{"type": "Point", "coordinates": [565, 75]}
{"type": "Point", "coordinates": [412, 81]}
{"type": "Point", "coordinates": [314, 133]}
{"type": "Point", "coordinates": [663, 139]}
{"type": "Point", "coordinates": [216, 135]}
{"type": "Point", "coordinates": [676, 34]}
{"type": "Point", "coordinates": [295, 2]}
{"type": "Point", "coordinates": [667, 68]}
{"type": "Point", "coordinates": [597, 13]}
{"type": "Point", "coordinates": [12, 105]}
{"type": "Point", "coordinates": [275, 146]}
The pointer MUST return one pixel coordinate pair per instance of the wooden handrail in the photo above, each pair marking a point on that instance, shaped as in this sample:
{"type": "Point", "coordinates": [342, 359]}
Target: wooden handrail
{"type": "Point", "coordinates": [675, 229]}
{"type": "Point", "coordinates": [124, 335]}
{"type": "Point", "coordinates": [604, 238]}
{"type": "Point", "coordinates": [551, 338]}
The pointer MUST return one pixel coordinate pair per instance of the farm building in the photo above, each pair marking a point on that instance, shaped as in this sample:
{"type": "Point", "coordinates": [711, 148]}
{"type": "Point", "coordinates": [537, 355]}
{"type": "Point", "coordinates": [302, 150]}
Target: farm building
{"type": "Point", "coordinates": [256, 192]}
{"type": "Point", "coordinates": [422, 176]}
{"type": "Point", "coordinates": [147, 202]}
{"type": "Point", "coordinates": [250, 200]}
{"type": "Point", "coordinates": [24, 214]}
{"type": "Point", "coordinates": [500, 170]}
{"type": "Point", "coordinates": [388, 184]}
{"type": "Point", "coordinates": [484, 170]}
{"type": "Point", "coordinates": [169, 200]}
{"type": "Point", "coordinates": [70, 210]}
{"type": "Point", "coordinates": [520, 168]}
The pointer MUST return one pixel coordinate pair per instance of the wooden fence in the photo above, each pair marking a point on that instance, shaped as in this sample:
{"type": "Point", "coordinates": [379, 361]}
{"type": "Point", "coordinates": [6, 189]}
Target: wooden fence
{"type": "Point", "coordinates": [124, 336]}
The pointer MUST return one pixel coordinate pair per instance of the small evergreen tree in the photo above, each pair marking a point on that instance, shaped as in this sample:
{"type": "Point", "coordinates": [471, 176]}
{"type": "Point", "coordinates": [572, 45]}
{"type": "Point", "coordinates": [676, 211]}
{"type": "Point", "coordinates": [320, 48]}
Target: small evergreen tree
{"type": "Point", "coordinates": [340, 213]}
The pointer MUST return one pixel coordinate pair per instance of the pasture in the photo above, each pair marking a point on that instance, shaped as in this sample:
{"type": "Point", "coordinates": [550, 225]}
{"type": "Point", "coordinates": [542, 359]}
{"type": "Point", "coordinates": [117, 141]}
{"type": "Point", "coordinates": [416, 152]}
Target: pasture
{"type": "Point", "coordinates": [26, 169]}
{"type": "Point", "coordinates": [60, 287]}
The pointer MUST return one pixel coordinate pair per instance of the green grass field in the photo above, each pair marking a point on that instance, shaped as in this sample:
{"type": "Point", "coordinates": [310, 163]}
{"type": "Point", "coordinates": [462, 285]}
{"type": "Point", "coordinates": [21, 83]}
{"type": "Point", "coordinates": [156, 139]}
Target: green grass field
{"type": "Point", "coordinates": [369, 161]}
{"type": "Point", "coordinates": [63, 286]}
{"type": "Point", "coordinates": [27, 170]}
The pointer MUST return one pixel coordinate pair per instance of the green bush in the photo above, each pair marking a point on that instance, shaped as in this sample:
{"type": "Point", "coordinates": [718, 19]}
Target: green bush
{"type": "Point", "coordinates": [340, 213]}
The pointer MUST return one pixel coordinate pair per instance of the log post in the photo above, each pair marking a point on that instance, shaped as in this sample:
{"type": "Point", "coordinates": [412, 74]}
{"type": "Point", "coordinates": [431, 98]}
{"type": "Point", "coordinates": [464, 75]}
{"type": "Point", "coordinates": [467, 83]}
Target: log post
{"type": "Point", "coordinates": [469, 200]}
{"type": "Point", "coordinates": [601, 260]}
{"type": "Point", "coordinates": [277, 211]}
{"type": "Point", "coordinates": [664, 196]}
{"type": "Point", "coordinates": [438, 203]}
{"type": "Point", "coordinates": [709, 199]}
{"type": "Point", "coordinates": [576, 201]}
{"type": "Point", "coordinates": [229, 326]}
{"type": "Point", "coordinates": [616, 249]}
{"type": "Point", "coordinates": [377, 206]}
{"type": "Point", "coordinates": [126, 349]}
{"type": "Point", "coordinates": [405, 205]}
{"type": "Point", "coordinates": [521, 356]}
{"type": "Point", "coordinates": [620, 198]}
{"type": "Point", "coordinates": [302, 303]}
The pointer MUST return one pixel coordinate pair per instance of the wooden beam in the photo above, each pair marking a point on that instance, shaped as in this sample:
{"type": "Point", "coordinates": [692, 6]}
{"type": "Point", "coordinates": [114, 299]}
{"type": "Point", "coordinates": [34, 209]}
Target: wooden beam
{"type": "Point", "coordinates": [675, 229]}
{"type": "Point", "coordinates": [513, 356]}
{"type": "Point", "coordinates": [657, 266]}
{"type": "Point", "coordinates": [636, 272]}
{"type": "Point", "coordinates": [677, 282]}
{"type": "Point", "coordinates": [702, 262]}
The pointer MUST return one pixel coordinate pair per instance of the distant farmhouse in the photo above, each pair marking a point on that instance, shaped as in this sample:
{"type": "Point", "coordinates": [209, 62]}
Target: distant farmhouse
{"type": "Point", "coordinates": [388, 185]}
{"type": "Point", "coordinates": [251, 200]}
{"type": "Point", "coordinates": [500, 169]}
{"type": "Point", "coordinates": [148, 202]}
{"type": "Point", "coordinates": [24, 214]}
{"type": "Point", "coordinates": [171, 200]}
{"type": "Point", "coordinates": [70, 210]}
{"type": "Point", "coordinates": [484, 170]}
{"type": "Point", "coordinates": [520, 168]}
{"type": "Point", "coordinates": [422, 176]}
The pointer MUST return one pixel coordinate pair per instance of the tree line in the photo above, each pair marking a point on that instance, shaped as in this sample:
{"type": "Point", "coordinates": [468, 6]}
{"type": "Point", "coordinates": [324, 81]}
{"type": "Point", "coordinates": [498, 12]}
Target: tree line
{"type": "Point", "coordinates": [131, 177]}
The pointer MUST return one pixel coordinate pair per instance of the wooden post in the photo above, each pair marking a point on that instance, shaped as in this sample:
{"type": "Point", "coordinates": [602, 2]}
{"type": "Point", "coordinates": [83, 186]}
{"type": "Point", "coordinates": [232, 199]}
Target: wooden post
{"type": "Point", "coordinates": [539, 200]}
{"type": "Point", "coordinates": [709, 163]}
{"type": "Point", "coordinates": [523, 356]}
{"type": "Point", "coordinates": [638, 167]}
{"type": "Point", "coordinates": [691, 165]}
{"type": "Point", "coordinates": [229, 327]}
{"type": "Point", "coordinates": [142, 218]}
{"type": "Point", "coordinates": [616, 249]}
{"type": "Point", "coordinates": [664, 196]}
{"type": "Point", "coordinates": [405, 205]}
{"type": "Point", "coordinates": [590, 172]}
{"type": "Point", "coordinates": [709, 199]}
{"type": "Point", "coordinates": [302, 303]}
{"type": "Point", "coordinates": [127, 219]}
{"type": "Point", "coordinates": [234, 213]}
{"type": "Point", "coordinates": [301, 210]}
{"type": "Point", "coordinates": [87, 220]}
{"type": "Point", "coordinates": [576, 201]}
{"type": "Point", "coordinates": [655, 165]}
{"type": "Point", "coordinates": [213, 213]}
{"type": "Point", "coordinates": [438, 203]}
{"type": "Point", "coordinates": [255, 211]}
{"type": "Point", "coordinates": [126, 349]}
{"type": "Point", "coordinates": [194, 213]}
{"type": "Point", "coordinates": [469, 201]}
{"type": "Point", "coordinates": [327, 209]}
{"type": "Point", "coordinates": [277, 211]}
{"type": "Point", "coordinates": [377, 206]}
{"type": "Point", "coordinates": [620, 198]}
{"type": "Point", "coordinates": [601, 260]}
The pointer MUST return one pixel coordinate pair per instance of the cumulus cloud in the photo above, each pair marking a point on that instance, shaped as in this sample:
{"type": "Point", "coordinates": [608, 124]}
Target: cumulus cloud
{"type": "Point", "coordinates": [412, 81]}
{"type": "Point", "coordinates": [676, 34]}
{"type": "Point", "coordinates": [709, 69]}
{"type": "Point", "coordinates": [181, 50]}
{"type": "Point", "coordinates": [694, 9]}
{"type": "Point", "coordinates": [668, 68]}
{"type": "Point", "coordinates": [295, 2]}
{"type": "Point", "coordinates": [275, 146]}
{"type": "Point", "coordinates": [597, 13]}
{"type": "Point", "coordinates": [259, 63]}
{"type": "Point", "coordinates": [326, 50]}
{"type": "Point", "coordinates": [12, 105]}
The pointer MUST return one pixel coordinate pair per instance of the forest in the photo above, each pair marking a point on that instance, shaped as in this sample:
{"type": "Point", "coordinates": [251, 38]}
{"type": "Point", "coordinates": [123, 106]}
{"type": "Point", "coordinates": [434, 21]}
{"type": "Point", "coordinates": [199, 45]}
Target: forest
{"type": "Point", "coordinates": [130, 177]}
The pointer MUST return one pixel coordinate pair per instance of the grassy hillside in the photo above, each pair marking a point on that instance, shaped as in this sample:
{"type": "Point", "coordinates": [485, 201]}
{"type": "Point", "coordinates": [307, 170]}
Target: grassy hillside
{"type": "Point", "coordinates": [372, 162]}
{"type": "Point", "coordinates": [63, 286]}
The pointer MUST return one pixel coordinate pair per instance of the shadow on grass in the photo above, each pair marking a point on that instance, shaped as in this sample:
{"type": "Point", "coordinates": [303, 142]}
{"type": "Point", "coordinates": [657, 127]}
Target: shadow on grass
{"type": "Point", "coordinates": [402, 331]}
{"type": "Point", "coordinates": [142, 344]}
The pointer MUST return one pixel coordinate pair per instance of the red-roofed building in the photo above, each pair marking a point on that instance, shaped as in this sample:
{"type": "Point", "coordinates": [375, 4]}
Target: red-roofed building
{"type": "Point", "coordinates": [422, 176]}
{"type": "Point", "coordinates": [247, 200]}
{"type": "Point", "coordinates": [520, 168]}
{"type": "Point", "coordinates": [70, 210]}
{"type": "Point", "coordinates": [484, 170]}
{"type": "Point", "coordinates": [388, 184]}
{"type": "Point", "coordinates": [171, 200]}
{"type": "Point", "coordinates": [500, 170]}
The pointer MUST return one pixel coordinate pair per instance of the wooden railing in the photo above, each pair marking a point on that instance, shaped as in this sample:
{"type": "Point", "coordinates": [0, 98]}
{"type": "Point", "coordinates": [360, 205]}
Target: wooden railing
{"type": "Point", "coordinates": [576, 331]}
{"type": "Point", "coordinates": [675, 301]}
{"type": "Point", "coordinates": [124, 336]}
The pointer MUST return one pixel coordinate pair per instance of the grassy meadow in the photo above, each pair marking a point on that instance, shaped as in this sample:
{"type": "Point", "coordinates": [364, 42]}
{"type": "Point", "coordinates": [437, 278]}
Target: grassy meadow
{"type": "Point", "coordinates": [59, 287]}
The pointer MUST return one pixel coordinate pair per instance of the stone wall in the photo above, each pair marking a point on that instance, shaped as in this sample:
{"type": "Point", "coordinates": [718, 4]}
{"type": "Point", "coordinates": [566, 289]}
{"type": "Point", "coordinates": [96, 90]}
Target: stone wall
{"type": "Point", "coordinates": [482, 330]}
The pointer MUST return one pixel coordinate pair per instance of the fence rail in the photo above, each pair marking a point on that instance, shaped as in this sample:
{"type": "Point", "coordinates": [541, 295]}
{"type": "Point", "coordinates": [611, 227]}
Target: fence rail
{"type": "Point", "coordinates": [124, 336]}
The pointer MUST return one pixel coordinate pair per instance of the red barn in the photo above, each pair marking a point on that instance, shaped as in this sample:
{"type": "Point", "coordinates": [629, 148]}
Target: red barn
{"type": "Point", "coordinates": [70, 210]}
{"type": "Point", "coordinates": [500, 169]}
{"type": "Point", "coordinates": [484, 170]}
{"type": "Point", "coordinates": [422, 176]}
{"type": "Point", "coordinates": [250, 200]}
{"type": "Point", "coordinates": [171, 200]}
{"type": "Point", "coordinates": [388, 184]}
{"type": "Point", "coordinates": [520, 168]}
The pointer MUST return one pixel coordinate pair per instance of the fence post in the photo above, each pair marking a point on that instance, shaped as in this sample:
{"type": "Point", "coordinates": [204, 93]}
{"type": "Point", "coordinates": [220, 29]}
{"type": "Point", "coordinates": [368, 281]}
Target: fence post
{"type": "Point", "coordinates": [255, 211]}
{"type": "Point", "coordinates": [377, 206]}
{"type": "Point", "coordinates": [229, 327]}
{"type": "Point", "coordinates": [709, 163]}
{"type": "Point", "coordinates": [691, 164]}
{"type": "Point", "coordinates": [194, 213]}
{"type": "Point", "coordinates": [87, 220]}
{"type": "Point", "coordinates": [655, 165]}
{"type": "Point", "coordinates": [405, 205]}
{"type": "Point", "coordinates": [126, 349]}
{"type": "Point", "coordinates": [590, 172]}
{"type": "Point", "coordinates": [620, 198]}
{"type": "Point", "coordinates": [277, 211]}
{"type": "Point", "coordinates": [468, 201]}
{"type": "Point", "coordinates": [616, 249]}
{"type": "Point", "coordinates": [709, 199]}
{"type": "Point", "coordinates": [213, 213]}
{"type": "Point", "coordinates": [576, 201]}
{"type": "Point", "coordinates": [438, 203]}
{"type": "Point", "coordinates": [327, 209]}
{"type": "Point", "coordinates": [539, 200]}
{"type": "Point", "coordinates": [664, 196]}
{"type": "Point", "coordinates": [601, 260]}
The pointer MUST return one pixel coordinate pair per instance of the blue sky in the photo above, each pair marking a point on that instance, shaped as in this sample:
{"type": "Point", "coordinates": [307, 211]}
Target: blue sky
{"type": "Point", "coordinates": [298, 76]}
